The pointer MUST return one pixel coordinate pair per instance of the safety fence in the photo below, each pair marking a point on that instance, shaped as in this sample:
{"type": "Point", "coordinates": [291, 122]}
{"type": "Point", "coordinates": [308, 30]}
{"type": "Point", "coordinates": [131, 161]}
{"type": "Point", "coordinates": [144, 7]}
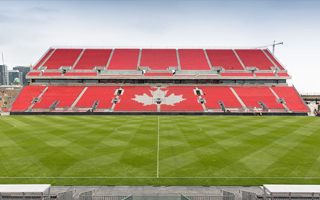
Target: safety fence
{"type": "Point", "coordinates": [92, 195]}
{"type": "Point", "coordinates": [248, 195]}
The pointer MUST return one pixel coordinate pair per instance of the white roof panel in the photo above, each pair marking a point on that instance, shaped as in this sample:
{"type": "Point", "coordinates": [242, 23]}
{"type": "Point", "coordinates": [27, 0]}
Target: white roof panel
{"type": "Point", "coordinates": [27, 188]}
{"type": "Point", "coordinates": [293, 188]}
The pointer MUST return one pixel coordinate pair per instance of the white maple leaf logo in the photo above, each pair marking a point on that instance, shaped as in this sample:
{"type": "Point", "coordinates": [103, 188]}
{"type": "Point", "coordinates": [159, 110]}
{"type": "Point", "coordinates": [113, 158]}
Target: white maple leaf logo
{"type": "Point", "coordinates": [158, 97]}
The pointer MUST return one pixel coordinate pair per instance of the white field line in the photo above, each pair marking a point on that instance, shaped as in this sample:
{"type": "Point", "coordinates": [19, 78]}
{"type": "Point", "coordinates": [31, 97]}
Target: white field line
{"type": "Point", "coordinates": [158, 177]}
{"type": "Point", "coordinates": [106, 177]}
{"type": "Point", "coordinates": [158, 147]}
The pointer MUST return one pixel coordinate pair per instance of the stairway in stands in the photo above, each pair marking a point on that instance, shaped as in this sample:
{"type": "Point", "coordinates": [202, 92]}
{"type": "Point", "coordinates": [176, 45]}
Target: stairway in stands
{"type": "Point", "coordinates": [138, 98]}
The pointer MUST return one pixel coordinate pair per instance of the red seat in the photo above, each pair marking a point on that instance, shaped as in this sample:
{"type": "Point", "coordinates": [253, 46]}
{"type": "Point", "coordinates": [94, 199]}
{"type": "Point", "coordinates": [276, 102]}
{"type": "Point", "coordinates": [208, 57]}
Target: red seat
{"type": "Point", "coordinates": [236, 74]}
{"type": "Point", "coordinates": [51, 74]}
{"type": "Point", "coordinates": [62, 58]}
{"type": "Point", "coordinates": [102, 94]}
{"type": "Point", "coordinates": [24, 99]}
{"type": "Point", "coordinates": [80, 74]}
{"type": "Point", "coordinates": [214, 94]}
{"type": "Point", "coordinates": [65, 95]}
{"type": "Point", "coordinates": [193, 59]}
{"type": "Point", "coordinates": [124, 59]}
{"type": "Point", "coordinates": [251, 96]}
{"type": "Point", "coordinates": [255, 58]}
{"type": "Point", "coordinates": [159, 59]}
{"type": "Point", "coordinates": [292, 98]}
{"type": "Point", "coordinates": [265, 74]}
{"type": "Point", "coordinates": [224, 58]}
{"type": "Point", "coordinates": [93, 58]}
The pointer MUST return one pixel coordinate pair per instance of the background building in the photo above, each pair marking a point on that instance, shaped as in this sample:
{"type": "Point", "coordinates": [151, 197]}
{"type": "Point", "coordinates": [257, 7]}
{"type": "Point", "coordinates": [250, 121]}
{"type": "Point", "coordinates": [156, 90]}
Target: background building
{"type": "Point", "coordinates": [3, 75]}
{"type": "Point", "coordinates": [14, 77]}
{"type": "Point", "coordinates": [23, 70]}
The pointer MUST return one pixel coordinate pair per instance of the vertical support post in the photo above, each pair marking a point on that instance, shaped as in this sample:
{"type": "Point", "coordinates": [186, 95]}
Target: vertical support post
{"type": "Point", "coordinates": [273, 46]}
{"type": "Point", "coordinates": [49, 196]}
{"type": "Point", "coordinates": [289, 195]}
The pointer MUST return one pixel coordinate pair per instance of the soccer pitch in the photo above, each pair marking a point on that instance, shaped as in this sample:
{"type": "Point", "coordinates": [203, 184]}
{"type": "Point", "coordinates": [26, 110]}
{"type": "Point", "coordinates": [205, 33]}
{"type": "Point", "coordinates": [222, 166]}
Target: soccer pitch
{"type": "Point", "coordinates": [159, 150]}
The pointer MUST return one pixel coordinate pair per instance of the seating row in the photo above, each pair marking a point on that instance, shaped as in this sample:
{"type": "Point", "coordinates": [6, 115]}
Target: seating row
{"type": "Point", "coordinates": [196, 98]}
{"type": "Point", "coordinates": [158, 59]}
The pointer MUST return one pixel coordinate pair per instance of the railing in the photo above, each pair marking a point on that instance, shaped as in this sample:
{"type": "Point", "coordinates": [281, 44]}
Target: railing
{"type": "Point", "coordinates": [310, 94]}
{"type": "Point", "coordinates": [26, 197]}
{"type": "Point", "coordinates": [224, 196]}
{"type": "Point", "coordinates": [90, 196]}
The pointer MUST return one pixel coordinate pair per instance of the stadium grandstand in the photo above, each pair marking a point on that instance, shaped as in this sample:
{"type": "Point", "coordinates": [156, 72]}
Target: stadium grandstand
{"type": "Point", "coordinates": [199, 81]}
{"type": "Point", "coordinates": [159, 100]}
{"type": "Point", "coordinates": [7, 96]}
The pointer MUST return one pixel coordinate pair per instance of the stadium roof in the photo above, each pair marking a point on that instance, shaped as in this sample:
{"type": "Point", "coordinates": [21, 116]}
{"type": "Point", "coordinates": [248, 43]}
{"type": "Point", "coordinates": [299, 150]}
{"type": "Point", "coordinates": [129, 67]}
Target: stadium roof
{"type": "Point", "coordinates": [24, 188]}
{"type": "Point", "coordinates": [292, 188]}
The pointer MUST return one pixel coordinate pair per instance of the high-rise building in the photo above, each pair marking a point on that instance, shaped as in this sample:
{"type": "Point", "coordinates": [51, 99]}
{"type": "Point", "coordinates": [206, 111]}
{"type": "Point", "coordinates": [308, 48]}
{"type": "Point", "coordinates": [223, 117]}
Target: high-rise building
{"type": "Point", "coordinates": [15, 77]}
{"type": "Point", "coordinates": [3, 75]}
{"type": "Point", "coordinates": [23, 72]}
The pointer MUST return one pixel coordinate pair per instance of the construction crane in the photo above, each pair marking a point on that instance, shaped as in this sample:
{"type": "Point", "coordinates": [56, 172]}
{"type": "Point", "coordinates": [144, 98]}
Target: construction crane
{"type": "Point", "coordinates": [274, 44]}
{"type": "Point", "coordinates": [2, 58]}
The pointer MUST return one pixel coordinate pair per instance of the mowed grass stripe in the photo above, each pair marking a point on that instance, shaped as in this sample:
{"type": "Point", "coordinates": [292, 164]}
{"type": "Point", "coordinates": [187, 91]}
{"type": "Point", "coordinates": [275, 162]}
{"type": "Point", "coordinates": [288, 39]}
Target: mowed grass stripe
{"type": "Point", "coordinates": [309, 134]}
{"type": "Point", "coordinates": [239, 148]}
{"type": "Point", "coordinates": [194, 150]}
{"type": "Point", "coordinates": [214, 154]}
{"type": "Point", "coordinates": [94, 160]}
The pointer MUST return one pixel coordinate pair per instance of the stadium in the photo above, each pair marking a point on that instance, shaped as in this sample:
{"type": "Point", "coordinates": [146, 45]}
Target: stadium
{"type": "Point", "coordinates": [159, 80]}
{"type": "Point", "coordinates": [159, 123]}
{"type": "Point", "coordinates": [155, 135]}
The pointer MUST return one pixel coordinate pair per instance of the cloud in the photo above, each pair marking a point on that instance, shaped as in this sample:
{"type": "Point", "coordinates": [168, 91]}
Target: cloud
{"type": "Point", "coordinates": [28, 28]}
{"type": "Point", "coordinates": [40, 9]}
{"type": "Point", "coordinates": [4, 18]}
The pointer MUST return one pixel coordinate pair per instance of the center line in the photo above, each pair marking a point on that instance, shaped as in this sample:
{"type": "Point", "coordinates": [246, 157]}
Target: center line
{"type": "Point", "coordinates": [158, 147]}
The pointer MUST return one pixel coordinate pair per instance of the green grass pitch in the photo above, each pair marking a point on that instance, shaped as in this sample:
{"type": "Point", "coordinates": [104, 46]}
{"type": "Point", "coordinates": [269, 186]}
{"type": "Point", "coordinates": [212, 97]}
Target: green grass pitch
{"type": "Point", "coordinates": [159, 150]}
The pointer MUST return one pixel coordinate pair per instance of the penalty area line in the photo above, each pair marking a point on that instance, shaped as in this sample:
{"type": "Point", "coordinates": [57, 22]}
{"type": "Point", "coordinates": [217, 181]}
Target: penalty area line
{"type": "Point", "coordinates": [106, 177]}
{"type": "Point", "coordinates": [77, 177]}
{"type": "Point", "coordinates": [158, 147]}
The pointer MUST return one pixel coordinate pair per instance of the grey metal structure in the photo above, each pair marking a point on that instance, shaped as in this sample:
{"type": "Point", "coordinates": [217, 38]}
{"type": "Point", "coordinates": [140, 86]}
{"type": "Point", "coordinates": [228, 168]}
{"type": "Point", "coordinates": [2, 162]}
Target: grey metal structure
{"type": "Point", "coordinates": [291, 192]}
{"type": "Point", "coordinates": [248, 195]}
{"type": "Point", "coordinates": [25, 191]}
{"type": "Point", "coordinates": [65, 196]}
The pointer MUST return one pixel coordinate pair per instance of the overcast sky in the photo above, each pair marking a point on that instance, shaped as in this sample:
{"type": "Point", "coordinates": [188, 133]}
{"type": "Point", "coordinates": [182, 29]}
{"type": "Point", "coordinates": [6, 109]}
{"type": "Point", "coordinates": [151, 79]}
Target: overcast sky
{"type": "Point", "coordinates": [29, 28]}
